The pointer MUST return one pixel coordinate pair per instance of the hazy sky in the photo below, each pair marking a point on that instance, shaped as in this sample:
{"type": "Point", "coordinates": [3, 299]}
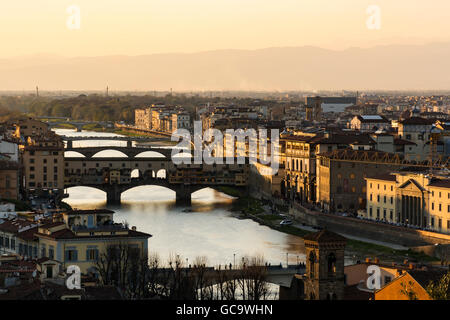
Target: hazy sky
{"type": "Point", "coordinates": [134, 27]}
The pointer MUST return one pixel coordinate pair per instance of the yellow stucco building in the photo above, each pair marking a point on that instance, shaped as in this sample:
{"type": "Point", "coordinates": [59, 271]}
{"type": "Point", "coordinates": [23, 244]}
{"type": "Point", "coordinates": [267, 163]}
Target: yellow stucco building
{"type": "Point", "coordinates": [413, 198]}
{"type": "Point", "coordinates": [85, 234]}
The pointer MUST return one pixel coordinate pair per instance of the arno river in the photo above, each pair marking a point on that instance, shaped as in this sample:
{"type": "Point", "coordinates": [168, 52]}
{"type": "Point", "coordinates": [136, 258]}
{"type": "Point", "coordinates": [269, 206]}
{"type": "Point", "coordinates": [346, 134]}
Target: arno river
{"type": "Point", "coordinates": [209, 230]}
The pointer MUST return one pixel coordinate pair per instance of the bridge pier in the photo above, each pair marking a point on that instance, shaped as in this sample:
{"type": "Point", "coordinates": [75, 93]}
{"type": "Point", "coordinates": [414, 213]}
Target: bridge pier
{"type": "Point", "coordinates": [183, 199]}
{"type": "Point", "coordinates": [113, 194]}
{"type": "Point", "coordinates": [183, 196]}
{"type": "Point", "coordinates": [69, 144]}
{"type": "Point", "coordinates": [129, 144]}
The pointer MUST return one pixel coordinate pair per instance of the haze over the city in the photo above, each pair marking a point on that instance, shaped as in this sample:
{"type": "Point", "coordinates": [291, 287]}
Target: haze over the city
{"type": "Point", "coordinates": [223, 45]}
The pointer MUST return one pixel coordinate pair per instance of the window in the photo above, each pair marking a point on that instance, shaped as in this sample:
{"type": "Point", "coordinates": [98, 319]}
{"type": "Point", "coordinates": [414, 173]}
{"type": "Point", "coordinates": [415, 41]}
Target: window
{"type": "Point", "coordinates": [378, 213]}
{"type": "Point", "coordinates": [391, 215]}
{"type": "Point", "coordinates": [432, 222]}
{"type": "Point", "coordinates": [384, 199]}
{"type": "Point", "coordinates": [71, 255]}
{"type": "Point", "coordinates": [432, 206]}
{"type": "Point", "coordinates": [331, 264]}
{"type": "Point", "coordinates": [392, 200]}
{"type": "Point", "coordinates": [51, 252]}
{"type": "Point", "coordinates": [91, 254]}
{"type": "Point", "coordinates": [384, 214]}
{"type": "Point", "coordinates": [440, 223]}
{"type": "Point", "coordinates": [370, 212]}
{"type": "Point", "coordinates": [378, 198]}
{"type": "Point", "coordinates": [440, 207]}
{"type": "Point", "coordinates": [371, 198]}
{"type": "Point", "coordinates": [312, 261]}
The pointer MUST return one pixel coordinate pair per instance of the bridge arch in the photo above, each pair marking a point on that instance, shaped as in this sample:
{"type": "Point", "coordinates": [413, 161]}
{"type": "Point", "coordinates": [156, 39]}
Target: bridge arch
{"type": "Point", "coordinates": [140, 194]}
{"type": "Point", "coordinates": [150, 154]}
{"type": "Point", "coordinates": [85, 193]}
{"type": "Point", "coordinates": [73, 154]}
{"type": "Point", "coordinates": [117, 153]}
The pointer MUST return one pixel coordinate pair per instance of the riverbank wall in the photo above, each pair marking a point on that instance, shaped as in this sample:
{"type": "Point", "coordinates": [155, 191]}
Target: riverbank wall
{"type": "Point", "coordinates": [367, 229]}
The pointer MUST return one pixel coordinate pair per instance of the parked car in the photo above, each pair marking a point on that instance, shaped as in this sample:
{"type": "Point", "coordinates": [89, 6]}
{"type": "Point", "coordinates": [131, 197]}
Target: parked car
{"type": "Point", "coordinates": [286, 222]}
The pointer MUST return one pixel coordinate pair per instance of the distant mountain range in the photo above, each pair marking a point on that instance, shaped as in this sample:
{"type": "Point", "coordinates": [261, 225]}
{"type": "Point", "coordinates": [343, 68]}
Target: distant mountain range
{"type": "Point", "coordinates": [402, 67]}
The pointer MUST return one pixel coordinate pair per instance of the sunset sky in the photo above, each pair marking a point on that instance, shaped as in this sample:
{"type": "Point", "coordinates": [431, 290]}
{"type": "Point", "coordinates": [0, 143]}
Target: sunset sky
{"type": "Point", "coordinates": [135, 27]}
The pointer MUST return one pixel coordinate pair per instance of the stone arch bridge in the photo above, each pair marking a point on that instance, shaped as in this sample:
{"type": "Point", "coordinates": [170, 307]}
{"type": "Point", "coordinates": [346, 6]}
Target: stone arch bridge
{"type": "Point", "coordinates": [114, 175]}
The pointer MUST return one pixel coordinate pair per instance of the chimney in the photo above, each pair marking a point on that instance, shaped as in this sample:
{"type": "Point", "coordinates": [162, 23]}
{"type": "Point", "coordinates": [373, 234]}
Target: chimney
{"type": "Point", "coordinates": [133, 228]}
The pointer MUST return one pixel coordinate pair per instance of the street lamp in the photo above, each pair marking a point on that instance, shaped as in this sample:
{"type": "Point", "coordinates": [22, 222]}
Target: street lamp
{"type": "Point", "coordinates": [287, 259]}
{"type": "Point", "coordinates": [234, 260]}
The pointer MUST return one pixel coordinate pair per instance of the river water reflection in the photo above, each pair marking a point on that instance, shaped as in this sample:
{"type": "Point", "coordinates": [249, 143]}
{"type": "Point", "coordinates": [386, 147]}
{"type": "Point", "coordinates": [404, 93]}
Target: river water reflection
{"type": "Point", "coordinates": [209, 230]}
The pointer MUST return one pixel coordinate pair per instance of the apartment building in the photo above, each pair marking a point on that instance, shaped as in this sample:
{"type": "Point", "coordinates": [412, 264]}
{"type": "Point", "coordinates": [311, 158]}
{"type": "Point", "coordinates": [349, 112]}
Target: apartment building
{"type": "Point", "coordinates": [9, 179]}
{"type": "Point", "coordinates": [416, 130]}
{"type": "Point", "coordinates": [84, 236]}
{"type": "Point", "coordinates": [17, 237]}
{"type": "Point", "coordinates": [43, 164]}
{"type": "Point", "coordinates": [417, 199]}
{"type": "Point", "coordinates": [143, 118]}
{"type": "Point", "coordinates": [340, 177]}
{"type": "Point", "coordinates": [369, 123]}
{"type": "Point", "coordinates": [30, 127]}
{"type": "Point", "coordinates": [300, 151]}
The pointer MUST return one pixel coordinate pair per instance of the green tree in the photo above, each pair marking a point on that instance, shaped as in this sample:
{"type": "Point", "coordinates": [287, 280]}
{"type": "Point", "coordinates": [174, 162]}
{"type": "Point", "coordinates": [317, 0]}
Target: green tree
{"type": "Point", "coordinates": [440, 289]}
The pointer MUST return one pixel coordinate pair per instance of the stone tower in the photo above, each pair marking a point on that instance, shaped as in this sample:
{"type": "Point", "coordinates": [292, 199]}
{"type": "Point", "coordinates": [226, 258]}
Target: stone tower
{"type": "Point", "coordinates": [324, 278]}
{"type": "Point", "coordinates": [314, 110]}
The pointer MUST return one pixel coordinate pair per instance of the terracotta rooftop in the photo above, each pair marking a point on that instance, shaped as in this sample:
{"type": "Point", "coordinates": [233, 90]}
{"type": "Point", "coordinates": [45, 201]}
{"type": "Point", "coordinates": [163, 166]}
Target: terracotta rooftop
{"type": "Point", "coordinates": [384, 177]}
{"type": "Point", "coordinates": [416, 121]}
{"type": "Point", "coordinates": [442, 183]}
{"type": "Point", "coordinates": [324, 236]}
{"type": "Point", "coordinates": [69, 234]}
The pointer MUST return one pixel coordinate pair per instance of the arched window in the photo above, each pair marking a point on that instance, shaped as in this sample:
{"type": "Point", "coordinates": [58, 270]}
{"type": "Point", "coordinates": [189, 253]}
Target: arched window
{"type": "Point", "coordinates": [312, 261]}
{"type": "Point", "coordinates": [331, 259]}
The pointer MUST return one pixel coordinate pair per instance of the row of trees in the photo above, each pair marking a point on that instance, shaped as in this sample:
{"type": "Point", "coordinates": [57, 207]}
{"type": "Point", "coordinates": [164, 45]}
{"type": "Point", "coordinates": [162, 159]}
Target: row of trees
{"type": "Point", "coordinates": [96, 107]}
{"type": "Point", "coordinates": [141, 277]}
